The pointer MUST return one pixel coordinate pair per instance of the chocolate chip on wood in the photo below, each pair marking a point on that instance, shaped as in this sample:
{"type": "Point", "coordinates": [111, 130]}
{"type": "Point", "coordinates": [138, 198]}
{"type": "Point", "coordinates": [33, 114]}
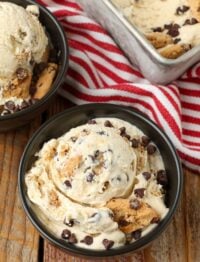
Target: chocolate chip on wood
{"type": "Point", "coordinates": [45, 80]}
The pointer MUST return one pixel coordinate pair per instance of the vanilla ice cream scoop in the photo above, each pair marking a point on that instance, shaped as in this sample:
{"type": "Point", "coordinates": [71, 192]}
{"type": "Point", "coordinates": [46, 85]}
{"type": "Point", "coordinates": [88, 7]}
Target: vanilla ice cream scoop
{"type": "Point", "coordinates": [22, 40]}
{"type": "Point", "coordinates": [102, 165]}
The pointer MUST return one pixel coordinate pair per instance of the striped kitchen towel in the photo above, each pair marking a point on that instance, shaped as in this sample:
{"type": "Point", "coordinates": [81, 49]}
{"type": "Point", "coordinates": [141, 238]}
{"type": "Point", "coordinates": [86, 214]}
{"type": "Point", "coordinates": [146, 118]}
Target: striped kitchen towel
{"type": "Point", "coordinates": [99, 72]}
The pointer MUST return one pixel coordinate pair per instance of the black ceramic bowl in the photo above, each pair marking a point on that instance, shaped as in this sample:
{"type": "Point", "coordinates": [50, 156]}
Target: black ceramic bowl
{"type": "Point", "coordinates": [79, 115]}
{"type": "Point", "coordinates": [58, 39]}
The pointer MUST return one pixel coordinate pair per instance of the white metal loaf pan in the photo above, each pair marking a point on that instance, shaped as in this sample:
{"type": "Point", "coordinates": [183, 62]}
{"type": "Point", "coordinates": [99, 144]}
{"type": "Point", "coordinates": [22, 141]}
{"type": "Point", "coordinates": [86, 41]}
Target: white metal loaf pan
{"type": "Point", "coordinates": [140, 52]}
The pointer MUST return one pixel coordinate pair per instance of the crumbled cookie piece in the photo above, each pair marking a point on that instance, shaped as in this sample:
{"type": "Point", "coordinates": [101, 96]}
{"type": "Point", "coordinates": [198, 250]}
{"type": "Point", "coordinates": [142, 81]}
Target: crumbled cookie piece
{"type": "Point", "coordinates": [71, 165]}
{"type": "Point", "coordinates": [130, 219]}
{"type": "Point", "coordinates": [195, 8]}
{"type": "Point", "coordinates": [18, 86]}
{"type": "Point", "coordinates": [174, 51]}
{"type": "Point", "coordinates": [45, 80]}
{"type": "Point", "coordinates": [54, 199]}
{"type": "Point", "coordinates": [159, 40]}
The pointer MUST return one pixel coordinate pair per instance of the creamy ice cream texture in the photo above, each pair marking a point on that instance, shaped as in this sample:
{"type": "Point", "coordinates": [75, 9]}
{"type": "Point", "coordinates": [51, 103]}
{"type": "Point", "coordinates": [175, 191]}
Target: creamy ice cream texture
{"type": "Point", "coordinates": [23, 43]}
{"type": "Point", "coordinates": [178, 19]}
{"type": "Point", "coordinates": [81, 178]}
{"type": "Point", "coordinates": [22, 39]}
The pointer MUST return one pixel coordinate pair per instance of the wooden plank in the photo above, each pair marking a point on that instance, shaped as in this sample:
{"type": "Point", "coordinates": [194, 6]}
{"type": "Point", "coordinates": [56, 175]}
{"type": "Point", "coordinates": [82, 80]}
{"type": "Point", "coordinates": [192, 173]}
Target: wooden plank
{"type": "Point", "coordinates": [172, 244]}
{"type": "Point", "coordinates": [18, 238]}
{"type": "Point", "coordinates": [192, 216]}
{"type": "Point", "coordinates": [52, 254]}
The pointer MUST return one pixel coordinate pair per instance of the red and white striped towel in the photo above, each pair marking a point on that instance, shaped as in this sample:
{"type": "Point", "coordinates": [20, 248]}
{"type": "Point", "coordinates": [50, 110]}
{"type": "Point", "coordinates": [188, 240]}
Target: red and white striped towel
{"type": "Point", "coordinates": [99, 72]}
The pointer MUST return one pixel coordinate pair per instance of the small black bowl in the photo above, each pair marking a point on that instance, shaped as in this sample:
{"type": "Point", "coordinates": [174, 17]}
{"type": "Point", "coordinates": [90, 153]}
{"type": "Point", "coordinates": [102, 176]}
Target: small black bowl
{"type": "Point", "coordinates": [79, 115]}
{"type": "Point", "coordinates": [59, 42]}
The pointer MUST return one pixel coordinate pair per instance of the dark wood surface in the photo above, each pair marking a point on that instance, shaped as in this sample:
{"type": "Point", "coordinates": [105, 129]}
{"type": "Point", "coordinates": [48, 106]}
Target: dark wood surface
{"type": "Point", "coordinates": [19, 241]}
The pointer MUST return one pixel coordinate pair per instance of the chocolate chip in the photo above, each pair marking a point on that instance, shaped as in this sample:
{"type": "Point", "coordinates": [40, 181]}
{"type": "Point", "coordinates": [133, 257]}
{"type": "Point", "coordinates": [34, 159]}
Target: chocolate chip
{"type": "Point", "coordinates": [88, 240]}
{"type": "Point", "coordinates": [92, 122]}
{"type": "Point", "coordinates": [176, 40]}
{"type": "Point", "coordinates": [155, 220]}
{"type": "Point", "coordinates": [16, 109]}
{"type": "Point", "coordinates": [162, 177]}
{"type": "Point", "coordinates": [135, 143]}
{"type": "Point", "coordinates": [191, 21]}
{"type": "Point", "coordinates": [90, 177]}
{"type": "Point", "coordinates": [127, 136]}
{"type": "Point", "coordinates": [137, 234]}
{"type": "Point", "coordinates": [151, 149]}
{"type": "Point", "coordinates": [182, 9]}
{"type": "Point", "coordinates": [74, 139]}
{"type": "Point", "coordinates": [68, 183]}
{"type": "Point", "coordinates": [105, 186]}
{"type": "Point", "coordinates": [122, 131]}
{"type": "Point", "coordinates": [139, 192]}
{"type": "Point", "coordinates": [101, 133]}
{"type": "Point", "coordinates": [145, 140]}
{"type": "Point", "coordinates": [66, 234]}
{"type": "Point", "coordinates": [108, 243]}
{"type": "Point", "coordinates": [173, 29]}
{"type": "Point", "coordinates": [108, 123]}
{"type": "Point", "coordinates": [96, 154]}
{"type": "Point", "coordinates": [70, 223]}
{"type": "Point", "coordinates": [32, 90]}
{"type": "Point", "coordinates": [72, 239]}
{"type": "Point", "coordinates": [21, 73]}
{"type": "Point", "coordinates": [10, 105]}
{"type": "Point", "coordinates": [157, 29]}
{"type": "Point", "coordinates": [93, 215]}
{"type": "Point", "coordinates": [122, 222]}
{"type": "Point", "coordinates": [134, 204]}
{"type": "Point", "coordinates": [146, 175]}
{"type": "Point", "coordinates": [24, 105]}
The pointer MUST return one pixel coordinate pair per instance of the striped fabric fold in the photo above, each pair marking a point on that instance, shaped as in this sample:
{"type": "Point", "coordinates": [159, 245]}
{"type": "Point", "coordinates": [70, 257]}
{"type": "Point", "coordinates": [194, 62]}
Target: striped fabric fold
{"type": "Point", "coordinates": [100, 72]}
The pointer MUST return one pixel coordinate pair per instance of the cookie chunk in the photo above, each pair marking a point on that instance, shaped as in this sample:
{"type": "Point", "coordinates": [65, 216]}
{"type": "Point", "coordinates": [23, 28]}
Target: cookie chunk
{"type": "Point", "coordinates": [195, 8]}
{"type": "Point", "coordinates": [19, 85]}
{"type": "Point", "coordinates": [159, 40]}
{"type": "Point", "coordinates": [130, 219]}
{"type": "Point", "coordinates": [45, 80]}
{"type": "Point", "coordinates": [175, 50]}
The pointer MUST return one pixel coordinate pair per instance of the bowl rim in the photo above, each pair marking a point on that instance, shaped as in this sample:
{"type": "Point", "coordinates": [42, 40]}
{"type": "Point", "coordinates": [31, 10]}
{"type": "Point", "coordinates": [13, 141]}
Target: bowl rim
{"type": "Point", "coordinates": [77, 251]}
{"type": "Point", "coordinates": [58, 80]}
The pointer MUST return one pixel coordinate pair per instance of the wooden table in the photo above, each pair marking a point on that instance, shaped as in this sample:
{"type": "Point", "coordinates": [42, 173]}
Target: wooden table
{"type": "Point", "coordinates": [19, 241]}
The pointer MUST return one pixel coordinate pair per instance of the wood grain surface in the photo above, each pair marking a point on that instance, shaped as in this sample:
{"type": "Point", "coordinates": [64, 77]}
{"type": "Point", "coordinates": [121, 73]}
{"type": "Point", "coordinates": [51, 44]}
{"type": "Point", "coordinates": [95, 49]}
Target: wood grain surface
{"type": "Point", "coordinates": [19, 241]}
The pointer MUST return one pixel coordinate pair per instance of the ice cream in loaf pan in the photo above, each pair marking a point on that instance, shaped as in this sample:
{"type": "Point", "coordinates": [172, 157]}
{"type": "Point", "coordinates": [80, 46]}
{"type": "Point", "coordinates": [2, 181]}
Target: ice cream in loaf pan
{"type": "Point", "coordinates": [100, 185]}
{"type": "Point", "coordinates": [172, 26]}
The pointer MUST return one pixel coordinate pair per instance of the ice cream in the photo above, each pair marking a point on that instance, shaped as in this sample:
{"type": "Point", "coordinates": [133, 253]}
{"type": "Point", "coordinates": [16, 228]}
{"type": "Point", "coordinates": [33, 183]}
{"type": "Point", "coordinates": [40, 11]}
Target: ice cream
{"type": "Point", "coordinates": [172, 26]}
{"type": "Point", "coordinates": [100, 185]}
{"type": "Point", "coordinates": [23, 45]}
